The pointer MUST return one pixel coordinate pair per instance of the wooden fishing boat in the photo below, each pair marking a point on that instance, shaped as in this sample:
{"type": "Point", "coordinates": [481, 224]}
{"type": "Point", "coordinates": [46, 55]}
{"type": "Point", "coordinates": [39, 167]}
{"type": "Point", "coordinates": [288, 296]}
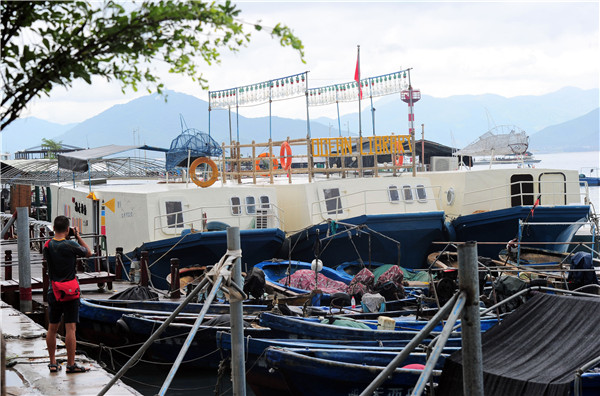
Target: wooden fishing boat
{"type": "Point", "coordinates": [281, 273]}
{"type": "Point", "coordinates": [203, 351]}
{"type": "Point", "coordinates": [338, 372]}
{"type": "Point", "coordinates": [99, 319]}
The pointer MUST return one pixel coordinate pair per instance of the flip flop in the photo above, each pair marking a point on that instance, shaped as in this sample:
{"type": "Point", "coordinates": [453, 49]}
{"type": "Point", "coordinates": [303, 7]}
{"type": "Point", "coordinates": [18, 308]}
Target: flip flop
{"type": "Point", "coordinates": [77, 369]}
{"type": "Point", "coordinates": [54, 368]}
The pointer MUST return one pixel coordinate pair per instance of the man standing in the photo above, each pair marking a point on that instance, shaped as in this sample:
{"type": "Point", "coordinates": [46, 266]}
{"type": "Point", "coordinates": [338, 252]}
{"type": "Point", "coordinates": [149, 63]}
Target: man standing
{"type": "Point", "coordinates": [61, 255]}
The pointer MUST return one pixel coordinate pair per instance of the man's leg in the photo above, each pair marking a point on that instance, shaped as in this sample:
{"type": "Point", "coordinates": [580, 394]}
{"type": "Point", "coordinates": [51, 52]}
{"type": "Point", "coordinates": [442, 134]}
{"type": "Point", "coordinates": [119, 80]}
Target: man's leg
{"type": "Point", "coordinates": [51, 341]}
{"type": "Point", "coordinates": [70, 342]}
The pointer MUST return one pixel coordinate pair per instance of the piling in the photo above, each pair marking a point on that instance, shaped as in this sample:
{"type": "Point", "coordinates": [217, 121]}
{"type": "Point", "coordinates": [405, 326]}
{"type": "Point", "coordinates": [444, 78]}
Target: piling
{"type": "Point", "coordinates": [144, 268]}
{"type": "Point", "coordinates": [175, 284]}
{"type": "Point", "coordinates": [24, 260]}
{"type": "Point", "coordinates": [119, 263]}
{"type": "Point", "coordinates": [8, 265]}
{"type": "Point", "coordinates": [471, 326]}
{"type": "Point", "coordinates": [238, 371]}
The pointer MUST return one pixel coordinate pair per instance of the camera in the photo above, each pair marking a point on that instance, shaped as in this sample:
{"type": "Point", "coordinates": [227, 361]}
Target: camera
{"type": "Point", "coordinates": [71, 232]}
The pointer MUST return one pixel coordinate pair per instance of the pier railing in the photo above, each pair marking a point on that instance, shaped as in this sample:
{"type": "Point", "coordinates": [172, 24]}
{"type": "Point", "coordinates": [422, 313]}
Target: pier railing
{"type": "Point", "coordinates": [312, 157]}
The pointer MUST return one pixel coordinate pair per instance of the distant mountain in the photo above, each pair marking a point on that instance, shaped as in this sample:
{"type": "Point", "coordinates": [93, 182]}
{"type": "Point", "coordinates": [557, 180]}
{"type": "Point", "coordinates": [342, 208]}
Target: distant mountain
{"type": "Point", "coordinates": [150, 120]}
{"type": "Point", "coordinates": [455, 120]}
{"type": "Point", "coordinates": [460, 120]}
{"type": "Point", "coordinates": [580, 134]}
{"type": "Point", "coordinates": [25, 133]}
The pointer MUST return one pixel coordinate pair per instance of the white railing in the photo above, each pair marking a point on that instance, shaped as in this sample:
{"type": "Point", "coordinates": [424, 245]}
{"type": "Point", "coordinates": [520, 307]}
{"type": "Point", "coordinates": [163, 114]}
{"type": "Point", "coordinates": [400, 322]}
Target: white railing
{"type": "Point", "coordinates": [500, 196]}
{"type": "Point", "coordinates": [374, 202]}
{"type": "Point", "coordinates": [265, 216]}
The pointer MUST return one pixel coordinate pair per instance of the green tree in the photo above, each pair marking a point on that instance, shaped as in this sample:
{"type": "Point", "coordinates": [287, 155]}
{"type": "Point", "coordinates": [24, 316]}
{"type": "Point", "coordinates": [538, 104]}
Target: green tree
{"type": "Point", "coordinates": [52, 146]}
{"type": "Point", "coordinates": [50, 43]}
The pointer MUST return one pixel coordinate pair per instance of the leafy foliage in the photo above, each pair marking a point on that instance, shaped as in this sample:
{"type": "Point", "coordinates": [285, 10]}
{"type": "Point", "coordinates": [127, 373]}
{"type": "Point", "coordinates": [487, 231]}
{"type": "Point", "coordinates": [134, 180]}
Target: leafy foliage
{"type": "Point", "coordinates": [52, 146]}
{"type": "Point", "coordinates": [51, 43]}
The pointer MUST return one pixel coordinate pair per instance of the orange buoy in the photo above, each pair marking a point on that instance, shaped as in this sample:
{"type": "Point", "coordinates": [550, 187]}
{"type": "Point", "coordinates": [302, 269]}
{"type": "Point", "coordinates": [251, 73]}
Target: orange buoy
{"type": "Point", "coordinates": [286, 161]}
{"type": "Point", "coordinates": [265, 155]}
{"type": "Point", "coordinates": [214, 175]}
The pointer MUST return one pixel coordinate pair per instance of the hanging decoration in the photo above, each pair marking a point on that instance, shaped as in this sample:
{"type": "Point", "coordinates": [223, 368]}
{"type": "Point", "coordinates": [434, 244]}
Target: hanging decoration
{"type": "Point", "coordinates": [348, 92]}
{"type": "Point", "coordinates": [277, 89]}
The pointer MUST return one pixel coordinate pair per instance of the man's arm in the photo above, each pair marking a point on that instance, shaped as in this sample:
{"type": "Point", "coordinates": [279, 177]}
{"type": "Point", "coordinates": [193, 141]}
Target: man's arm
{"type": "Point", "coordinates": [82, 242]}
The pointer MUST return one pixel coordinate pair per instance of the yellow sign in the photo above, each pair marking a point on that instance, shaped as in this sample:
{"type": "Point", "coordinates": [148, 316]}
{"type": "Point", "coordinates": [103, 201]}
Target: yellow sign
{"type": "Point", "coordinates": [110, 205]}
{"type": "Point", "coordinates": [342, 146]}
{"type": "Point", "coordinates": [92, 196]}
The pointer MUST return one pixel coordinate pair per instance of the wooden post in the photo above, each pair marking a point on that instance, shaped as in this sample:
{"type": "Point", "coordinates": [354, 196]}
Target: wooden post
{"type": "Point", "coordinates": [223, 165]}
{"type": "Point", "coordinates": [289, 172]}
{"type": "Point", "coordinates": [119, 263]}
{"type": "Point", "coordinates": [309, 158]}
{"type": "Point", "coordinates": [238, 153]}
{"type": "Point", "coordinates": [42, 236]}
{"type": "Point", "coordinates": [175, 283]}
{"type": "Point", "coordinates": [8, 265]}
{"type": "Point", "coordinates": [144, 268]}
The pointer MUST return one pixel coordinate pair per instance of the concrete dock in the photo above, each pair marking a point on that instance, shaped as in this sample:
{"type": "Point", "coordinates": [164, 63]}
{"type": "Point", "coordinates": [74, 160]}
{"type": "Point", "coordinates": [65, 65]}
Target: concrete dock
{"type": "Point", "coordinates": [27, 363]}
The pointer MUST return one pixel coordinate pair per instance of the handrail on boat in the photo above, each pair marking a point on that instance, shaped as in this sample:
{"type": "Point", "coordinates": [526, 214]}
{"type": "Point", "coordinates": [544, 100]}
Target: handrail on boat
{"type": "Point", "coordinates": [262, 211]}
{"type": "Point", "coordinates": [400, 206]}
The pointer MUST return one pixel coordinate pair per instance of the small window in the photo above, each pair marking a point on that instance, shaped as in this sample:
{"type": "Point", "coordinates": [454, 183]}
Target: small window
{"type": "Point", "coordinates": [333, 203]}
{"type": "Point", "coordinates": [250, 205]}
{"type": "Point", "coordinates": [407, 193]}
{"type": "Point", "coordinates": [174, 214]}
{"type": "Point", "coordinates": [394, 194]}
{"type": "Point", "coordinates": [264, 202]}
{"type": "Point", "coordinates": [236, 207]}
{"type": "Point", "coordinates": [421, 193]}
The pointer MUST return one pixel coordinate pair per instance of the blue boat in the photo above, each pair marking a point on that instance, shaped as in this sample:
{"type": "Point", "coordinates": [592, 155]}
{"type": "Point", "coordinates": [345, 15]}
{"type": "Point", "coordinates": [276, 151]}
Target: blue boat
{"type": "Point", "coordinates": [99, 319]}
{"type": "Point", "coordinates": [503, 225]}
{"type": "Point", "coordinates": [297, 327]}
{"type": "Point", "coordinates": [203, 351]}
{"type": "Point", "coordinates": [335, 372]}
{"type": "Point", "coordinates": [207, 248]}
{"type": "Point", "coordinates": [413, 231]}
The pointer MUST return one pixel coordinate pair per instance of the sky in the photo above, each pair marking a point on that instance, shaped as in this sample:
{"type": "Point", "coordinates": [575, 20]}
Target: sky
{"type": "Point", "coordinates": [454, 48]}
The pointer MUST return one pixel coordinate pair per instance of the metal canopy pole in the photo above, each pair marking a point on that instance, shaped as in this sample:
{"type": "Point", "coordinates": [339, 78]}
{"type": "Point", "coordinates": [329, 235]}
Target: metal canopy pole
{"type": "Point", "coordinates": [420, 336]}
{"type": "Point", "coordinates": [236, 309]}
{"type": "Point", "coordinates": [468, 278]}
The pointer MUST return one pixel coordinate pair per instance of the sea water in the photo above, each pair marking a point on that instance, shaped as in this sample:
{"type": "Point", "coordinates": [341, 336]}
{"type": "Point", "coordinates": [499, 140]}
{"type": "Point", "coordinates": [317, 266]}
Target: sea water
{"type": "Point", "coordinates": [148, 378]}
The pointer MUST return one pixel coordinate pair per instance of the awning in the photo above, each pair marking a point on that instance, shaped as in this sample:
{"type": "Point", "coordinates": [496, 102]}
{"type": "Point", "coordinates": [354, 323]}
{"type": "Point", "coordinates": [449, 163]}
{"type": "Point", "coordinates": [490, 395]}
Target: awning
{"type": "Point", "coordinates": [77, 161]}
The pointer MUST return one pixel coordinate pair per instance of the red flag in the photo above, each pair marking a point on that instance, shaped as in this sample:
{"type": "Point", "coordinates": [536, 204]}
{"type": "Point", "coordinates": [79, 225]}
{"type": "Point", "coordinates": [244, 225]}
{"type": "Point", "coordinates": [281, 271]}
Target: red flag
{"type": "Point", "coordinates": [357, 76]}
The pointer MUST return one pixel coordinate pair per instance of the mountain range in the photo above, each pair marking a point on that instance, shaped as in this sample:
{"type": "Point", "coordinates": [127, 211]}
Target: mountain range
{"type": "Point", "coordinates": [455, 121]}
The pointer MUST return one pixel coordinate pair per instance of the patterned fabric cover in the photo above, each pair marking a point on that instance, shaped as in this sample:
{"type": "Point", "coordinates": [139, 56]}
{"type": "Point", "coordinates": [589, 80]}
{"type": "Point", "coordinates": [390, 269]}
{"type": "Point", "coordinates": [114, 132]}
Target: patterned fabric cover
{"type": "Point", "coordinates": [305, 279]}
{"type": "Point", "coordinates": [361, 283]}
{"type": "Point", "coordinates": [394, 274]}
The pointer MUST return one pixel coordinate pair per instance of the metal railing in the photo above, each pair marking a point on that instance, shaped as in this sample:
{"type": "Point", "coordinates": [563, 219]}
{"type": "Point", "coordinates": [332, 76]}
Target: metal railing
{"type": "Point", "coordinates": [266, 214]}
{"type": "Point", "coordinates": [363, 203]}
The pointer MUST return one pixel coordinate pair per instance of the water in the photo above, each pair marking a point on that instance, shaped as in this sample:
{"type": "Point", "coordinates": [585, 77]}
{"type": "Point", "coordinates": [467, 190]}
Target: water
{"type": "Point", "coordinates": [148, 378]}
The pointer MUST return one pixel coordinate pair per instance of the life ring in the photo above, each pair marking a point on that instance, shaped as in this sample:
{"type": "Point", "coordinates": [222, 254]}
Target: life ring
{"type": "Point", "coordinates": [265, 155]}
{"type": "Point", "coordinates": [399, 154]}
{"type": "Point", "coordinates": [213, 167]}
{"type": "Point", "coordinates": [286, 161]}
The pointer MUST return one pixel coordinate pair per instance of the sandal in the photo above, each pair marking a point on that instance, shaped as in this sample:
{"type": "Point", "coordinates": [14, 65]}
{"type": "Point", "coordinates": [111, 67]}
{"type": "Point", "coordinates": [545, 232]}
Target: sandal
{"type": "Point", "coordinates": [77, 369]}
{"type": "Point", "coordinates": [54, 368]}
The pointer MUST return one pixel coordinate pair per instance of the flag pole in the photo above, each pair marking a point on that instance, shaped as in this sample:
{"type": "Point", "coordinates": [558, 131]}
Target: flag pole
{"type": "Point", "coordinates": [359, 93]}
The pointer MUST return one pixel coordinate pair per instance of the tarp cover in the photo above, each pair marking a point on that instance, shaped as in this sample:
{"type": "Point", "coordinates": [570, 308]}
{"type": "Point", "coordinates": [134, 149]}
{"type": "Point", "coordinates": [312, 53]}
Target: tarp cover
{"type": "Point", "coordinates": [194, 144]}
{"type": "Point", "coordinates": [502, 140]}
{"type": "Point", "coordinates": [535, 350]}
{"type": "Point", "coordinates": [77, 161]}
{"type": "Point", "coordinates": [136, 293]}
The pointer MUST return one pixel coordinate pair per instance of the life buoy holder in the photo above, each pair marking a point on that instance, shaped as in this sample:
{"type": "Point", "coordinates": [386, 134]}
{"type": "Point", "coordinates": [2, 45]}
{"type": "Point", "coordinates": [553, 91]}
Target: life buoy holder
{"type": "Point", "coordinates": [286, 160]}
{"type": "Point", "coordinates": [214, 175]}
{"type": "Point", "coordinates": [265, 155]}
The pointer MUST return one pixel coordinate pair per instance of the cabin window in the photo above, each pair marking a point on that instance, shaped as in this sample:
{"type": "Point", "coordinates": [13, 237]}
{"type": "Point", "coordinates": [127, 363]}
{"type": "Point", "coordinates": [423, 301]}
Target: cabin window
{"type": "Point", "coordinates": [250, 205]}
{"type": "Point", "coordinates": [407, 193]}
{"type": "Point", "coordinates": [264, 202]}
{"type": "Point", "coordinates": [333, 202]}
{"type": "Point", "coordinates": [421, 193]}
{"type": "Point", "coordinates": [394, 194]}
{"type": "Point", "coordinates": [521, 190]}
{"type": "Point", "coordinates": [174, 214]}
{"type": "Point", "coordinates": [236, 207]}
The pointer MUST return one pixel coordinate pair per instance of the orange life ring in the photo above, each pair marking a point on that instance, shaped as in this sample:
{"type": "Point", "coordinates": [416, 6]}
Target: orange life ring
{"type": "Point", "coordinates": [399, 154]}
{"type": "Point", "coordinates": [265, 155]}
{"type": "Point", "coordinates": [286, 161]}
{"type": "Point", "coordinates": [213, 167]}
